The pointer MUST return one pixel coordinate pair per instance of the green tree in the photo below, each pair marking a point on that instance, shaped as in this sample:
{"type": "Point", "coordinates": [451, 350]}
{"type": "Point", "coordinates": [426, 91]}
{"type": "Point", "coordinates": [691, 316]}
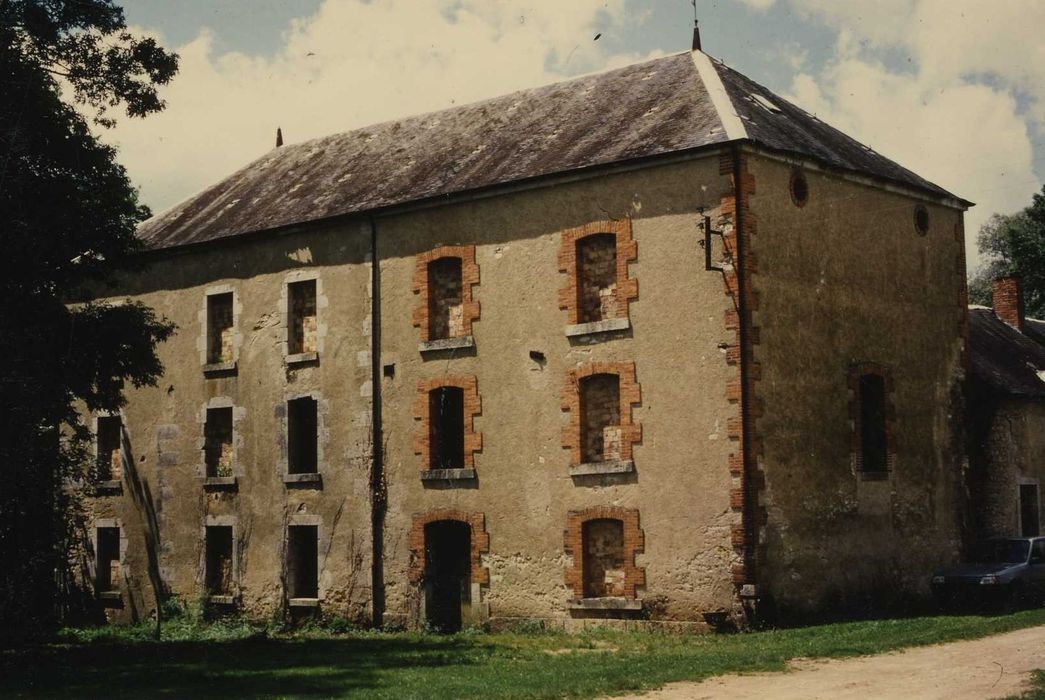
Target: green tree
{"type": "Point", "coordinates": [1014, 244]}
{"type": "Point", "coordinates": [68, 214]}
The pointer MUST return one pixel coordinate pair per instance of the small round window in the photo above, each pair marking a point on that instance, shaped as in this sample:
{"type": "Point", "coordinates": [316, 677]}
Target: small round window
{"type": "Point", "coordinates": [921, 220]}
{"type": "Point", "coordinates": [799, 188]}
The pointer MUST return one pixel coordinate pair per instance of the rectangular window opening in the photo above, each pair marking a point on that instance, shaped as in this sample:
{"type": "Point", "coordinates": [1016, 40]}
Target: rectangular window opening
{"type": "Point", "coordinates": [1030, 511]}
{"type": "Point", "coordinates": [597, 278]}
{"type": "Point", "coordinates": [446, 425]}
{"type": "Point", "coordinates": [302, 320]}
{"type": "Point", "coordinates": [110, 456]}
{"type": "Point", "coordinates": [603, 544]}
{"type": "Point", "coordinates": [600, 418]}
{"type": "Point", "coordinates": [219, 560]}
{"type": "Point", "coordinates": [874, 447]}
{"type": "Point", "coordinates": [107, 573]}
{"type": "Point", "coordinates": [219, 328]}
{"type": "Point", "coordinates": [218, 441]}
{"type": "Point", "coordinates": [445, 299]}
{"type": "Point", "coordinates": [303, 561]}
{"type": "Point", "coordinates": [302, 436]}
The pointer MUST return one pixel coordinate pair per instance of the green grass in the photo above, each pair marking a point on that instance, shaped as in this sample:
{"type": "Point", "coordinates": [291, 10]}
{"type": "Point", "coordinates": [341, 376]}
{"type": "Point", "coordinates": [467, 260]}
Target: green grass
{"type": "Point", "coordinates": [235, 660]}
{"type": "Point", "coordinates": [1037, 691]}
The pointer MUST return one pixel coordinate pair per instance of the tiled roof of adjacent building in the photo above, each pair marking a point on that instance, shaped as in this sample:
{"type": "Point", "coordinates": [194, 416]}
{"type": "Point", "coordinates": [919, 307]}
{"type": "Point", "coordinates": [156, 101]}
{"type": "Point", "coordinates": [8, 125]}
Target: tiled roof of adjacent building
{"type": "Point", "coordinates": [1005, 360]}
{"type": "Point", "coordinates": [669, 105]}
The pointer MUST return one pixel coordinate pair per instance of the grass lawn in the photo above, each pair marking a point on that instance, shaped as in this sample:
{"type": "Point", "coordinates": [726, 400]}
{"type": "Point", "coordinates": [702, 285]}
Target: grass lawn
{"type": "Point", "coordinates": [226, 661]}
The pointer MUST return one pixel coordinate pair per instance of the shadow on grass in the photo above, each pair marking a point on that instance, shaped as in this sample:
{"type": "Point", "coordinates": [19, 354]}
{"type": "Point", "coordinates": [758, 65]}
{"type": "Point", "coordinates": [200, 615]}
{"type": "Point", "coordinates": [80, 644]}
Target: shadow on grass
{"type": "Point", "coordinates": [246, 668]}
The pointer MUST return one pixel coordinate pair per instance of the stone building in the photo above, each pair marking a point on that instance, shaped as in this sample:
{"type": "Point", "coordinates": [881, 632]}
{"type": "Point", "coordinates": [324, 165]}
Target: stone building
{"type": "Point", "coordinates": [1006, 416]}
{"type": "Point", "coordinates": [652, 343]}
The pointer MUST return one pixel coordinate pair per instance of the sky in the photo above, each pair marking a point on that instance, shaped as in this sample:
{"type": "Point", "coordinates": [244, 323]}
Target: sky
{"type": "Point", "coordinates": [952, 89]}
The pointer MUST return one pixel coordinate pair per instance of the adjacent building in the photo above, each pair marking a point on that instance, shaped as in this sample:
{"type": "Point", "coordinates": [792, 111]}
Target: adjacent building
{"type": "Point", "coordinates": [652, 343]}
{"type": "Point", "coordinates": [1006, 416]}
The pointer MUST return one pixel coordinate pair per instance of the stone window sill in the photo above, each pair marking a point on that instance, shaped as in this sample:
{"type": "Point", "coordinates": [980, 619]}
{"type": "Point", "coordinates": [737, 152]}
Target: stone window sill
{"type": "Point", "coordinates": [109, 487]}
{"type": "Point", "coordinates": [302, 357]}
{"type": "Point", "coordinates": [874, 476]}
{"type": "Point", "coordinates": [447, 474]}
{"type": "Point", "coordinates": [613, 466]}
{"type": "Point", "coordinates": [605, 604]}
{"type": "Point", "coordinates": [219, 482]}
{"type": "Point", "coordinates": [110, 596]}
{"type": "Point", "coordinates": [466, 341]}
{"type": "Point", "coordinates": [306, 478]}
{"type": "Point", "coordinates": [595, 327]}
{"type": "Point", "coordinates": [219, 367]}
{"type": "Point", "coordinates": [221, 599]}
{"type": "Point", "coordinates": [303, 602]}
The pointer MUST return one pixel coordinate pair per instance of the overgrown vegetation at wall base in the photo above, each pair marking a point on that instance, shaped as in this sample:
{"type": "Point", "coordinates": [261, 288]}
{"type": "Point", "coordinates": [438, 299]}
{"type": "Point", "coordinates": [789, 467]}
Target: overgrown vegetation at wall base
{"type": "Point", "coordinates": [232, 659]}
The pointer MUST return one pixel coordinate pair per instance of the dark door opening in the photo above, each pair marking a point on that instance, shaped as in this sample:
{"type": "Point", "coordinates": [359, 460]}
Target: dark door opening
{"type": "Point", "coordinates": [1030, 525]}
{"type": "Point", "coordinates": [448, 566]}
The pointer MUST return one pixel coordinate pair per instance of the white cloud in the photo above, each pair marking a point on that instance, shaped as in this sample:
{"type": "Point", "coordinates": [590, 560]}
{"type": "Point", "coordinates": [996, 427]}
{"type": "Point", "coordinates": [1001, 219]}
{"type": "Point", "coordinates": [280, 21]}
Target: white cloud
{"type": "Point", "coordinates": [351, 64]}
{"type": "Point", "coordinates": [954, 116]}
{"type": "Point", "coordinates": [759, 4]}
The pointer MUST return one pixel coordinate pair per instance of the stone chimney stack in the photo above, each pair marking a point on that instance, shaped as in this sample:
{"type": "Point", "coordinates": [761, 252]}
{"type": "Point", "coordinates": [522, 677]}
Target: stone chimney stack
{"type": "Point", "coordinates": [1008, 301]}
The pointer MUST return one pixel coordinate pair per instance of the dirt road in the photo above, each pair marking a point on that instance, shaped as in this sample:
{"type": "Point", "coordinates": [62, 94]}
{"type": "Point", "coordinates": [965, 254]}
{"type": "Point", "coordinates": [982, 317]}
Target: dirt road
{"type": "Point", "coordinates": [993, 667]}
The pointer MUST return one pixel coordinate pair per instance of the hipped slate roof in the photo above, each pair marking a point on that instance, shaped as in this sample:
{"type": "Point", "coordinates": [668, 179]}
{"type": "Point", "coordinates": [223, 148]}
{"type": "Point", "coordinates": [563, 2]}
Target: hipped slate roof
{"type": "Point", "coordinates": [1003, 359]}
{"type": "Point", "coordinates": [668, 105]}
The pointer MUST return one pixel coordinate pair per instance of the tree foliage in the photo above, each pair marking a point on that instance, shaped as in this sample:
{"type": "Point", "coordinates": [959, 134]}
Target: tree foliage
{"type": "Point", "coordinates": [68, 214]}
{"type": "Point", "coordinates": [1014, 244]}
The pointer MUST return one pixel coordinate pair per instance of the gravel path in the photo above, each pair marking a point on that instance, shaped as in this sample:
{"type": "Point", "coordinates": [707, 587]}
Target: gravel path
{"type": "Point", "coordinates": [992, 667]}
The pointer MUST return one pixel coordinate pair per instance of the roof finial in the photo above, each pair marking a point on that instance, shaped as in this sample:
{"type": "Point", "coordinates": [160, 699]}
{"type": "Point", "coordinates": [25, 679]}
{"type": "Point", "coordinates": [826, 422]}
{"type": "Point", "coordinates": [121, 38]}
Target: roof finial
{"type": "Point", "coordinates": [696, 27]}
{"type": "Point", "coordinates": [279, 137]}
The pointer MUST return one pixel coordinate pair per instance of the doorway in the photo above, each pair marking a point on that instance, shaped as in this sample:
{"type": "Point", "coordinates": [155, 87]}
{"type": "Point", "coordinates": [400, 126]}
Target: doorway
{"type": "Point", "coordinates": [1030, 509]}
{"type": "Point", "coordinates": [448, 566]}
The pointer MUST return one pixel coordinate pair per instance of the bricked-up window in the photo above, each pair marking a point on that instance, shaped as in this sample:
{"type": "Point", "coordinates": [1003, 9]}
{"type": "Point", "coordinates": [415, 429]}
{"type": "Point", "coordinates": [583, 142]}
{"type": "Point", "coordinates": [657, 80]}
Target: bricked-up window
{"type": "Point", "coordinates": [302, 436]}
{"type": "Point", "coordinates": [219, 328]}
{"type": "Point", "coordinates": [603, 558]}
{"type": "Point", "coordinates": [445, 300]}
{"type": "Point", "coordinates": [600, 397]}
{"type": "Point", "coordinates": [217, 443]}
{"type": "Point", "coordinates": [603, 542]}
{"type": "Point", "coordinates": [446, 426]}
{"type": "Point", "coordinates": [443, 280]}
{"type": "Point", "coordinates": [874, 448]}
{"type": "Point", "coordinates": [303, 561]}
{"type": "Point", "coordinates": [219, 560]}
{"type": "Point", "coordinates": [107, 573]}
{"type": "Point", "coordinates": [109, 437]}
{"type": "Point", "coordinates": [600, 418]}
{"type": "Point", "coordinates": [597, 278]}
{"type": "Point", "coordinates": [595, 258]}
{"type": "Point", "coordinates": [302, 322]}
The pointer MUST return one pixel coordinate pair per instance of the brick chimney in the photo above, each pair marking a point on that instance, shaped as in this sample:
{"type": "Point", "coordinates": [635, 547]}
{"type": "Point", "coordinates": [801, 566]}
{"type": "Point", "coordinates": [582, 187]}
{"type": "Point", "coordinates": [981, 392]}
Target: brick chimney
{"type": "Point", "coordinates": [1008, 301]}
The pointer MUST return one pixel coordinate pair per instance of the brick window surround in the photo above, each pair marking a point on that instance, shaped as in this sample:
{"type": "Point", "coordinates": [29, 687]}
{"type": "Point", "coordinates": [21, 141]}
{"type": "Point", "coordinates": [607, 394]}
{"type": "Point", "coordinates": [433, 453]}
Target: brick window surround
{"type": "Point", "coordinates": [627, 288]}
{"type": "Point", "coordinates": [856, 371]}
{"type": "Point", "coordinates": [473, 441]}
{"type": "Point", "coordinates": [480, 542]}
{"type": "Point", "coordinates": [630, 395]}
{"type": "Point", "coordinates": [424, 287]}
{"type": "Point", "coordinates": [634, 543]}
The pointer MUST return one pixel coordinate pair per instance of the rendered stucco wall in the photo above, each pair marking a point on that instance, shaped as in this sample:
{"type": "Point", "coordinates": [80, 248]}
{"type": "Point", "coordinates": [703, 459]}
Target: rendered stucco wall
{"type": "Point", "coordinates": [163, 490]}
{"type": "Point", "coordinates": [680, 486]}
{"type": "Point", "coordinates": [845, 280]}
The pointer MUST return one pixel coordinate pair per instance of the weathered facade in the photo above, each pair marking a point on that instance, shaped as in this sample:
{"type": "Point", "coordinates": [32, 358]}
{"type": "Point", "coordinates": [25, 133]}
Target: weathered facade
{"type": "Point", "coordinates": [1006, 417]}
{"type": "Point", "coordinates": [648, 344]}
